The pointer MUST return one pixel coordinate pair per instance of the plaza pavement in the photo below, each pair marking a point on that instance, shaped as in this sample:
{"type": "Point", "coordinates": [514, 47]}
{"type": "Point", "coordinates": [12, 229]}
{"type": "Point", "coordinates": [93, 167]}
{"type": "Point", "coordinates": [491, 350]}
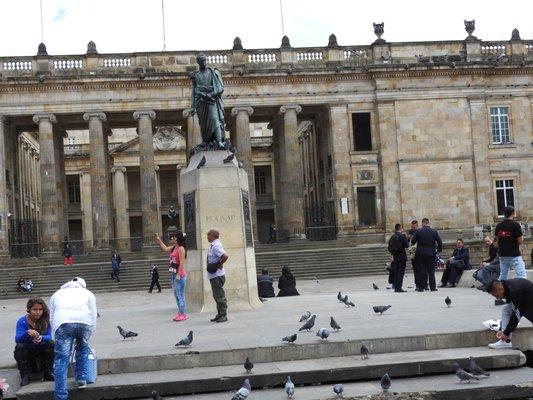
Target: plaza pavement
{"type": "Point", "coordinates": [150, 316]}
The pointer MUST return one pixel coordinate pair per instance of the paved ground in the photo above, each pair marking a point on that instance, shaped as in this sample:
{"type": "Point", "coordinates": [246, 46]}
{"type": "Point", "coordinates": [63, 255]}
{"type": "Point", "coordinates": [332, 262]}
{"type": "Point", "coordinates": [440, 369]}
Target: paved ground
{"type": "Point", "coordinates": [150, 315]}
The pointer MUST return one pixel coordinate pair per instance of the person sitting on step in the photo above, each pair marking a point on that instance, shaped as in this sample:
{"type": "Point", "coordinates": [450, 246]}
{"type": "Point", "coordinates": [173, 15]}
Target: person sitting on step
{"type": "Point", "coordinates": [265, 283]}
{"type": "Point", "coordinates": [287, 283]}
{"type": "Point", "coordinates": [456, 264]}
{"type": "Point", "coordinates": [34, 347]}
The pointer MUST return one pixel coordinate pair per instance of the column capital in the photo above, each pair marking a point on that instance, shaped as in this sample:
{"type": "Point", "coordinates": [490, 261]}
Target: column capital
{"type": "Point", "coordinates": [179, 167]}
{"type": "Point", "coordinates": [187, 112]}
{"type": "Point", "coordinates": [144, 113]}
{"type": "Point", "coordinates": [235, 110]}
{"type": "Point", "coordinates": [118, 168]}
{"type": "Point", "coordinates": [38, 117]}
{"type": "Point", "coordinates": [156, 168]}
{"type": "Point", "coordinates": [295, 107]}
{"type": "Point", "coordinates": [95, 114]}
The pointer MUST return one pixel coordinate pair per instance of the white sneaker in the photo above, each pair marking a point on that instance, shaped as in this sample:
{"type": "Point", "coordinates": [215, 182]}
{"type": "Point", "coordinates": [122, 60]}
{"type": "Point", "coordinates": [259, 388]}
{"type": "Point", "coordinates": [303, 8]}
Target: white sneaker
{"type": "Point", "coordinates": [501, 344]}
{"type": "Point", "coordinates": [492, 324]}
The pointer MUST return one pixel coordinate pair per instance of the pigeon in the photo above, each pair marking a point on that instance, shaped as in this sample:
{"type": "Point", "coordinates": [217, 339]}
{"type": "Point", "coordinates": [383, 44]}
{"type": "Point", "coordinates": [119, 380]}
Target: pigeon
{"type": "Point", "coordinates": [381, 309]}
{"type": "Point", "coordinates": [347, 302]}
{"type": "Point", "coordinates": [323, 333]}
{"type": "Point", "coordinates": [126, 334]}
{"type": "Point", "coordinates": [243, 392]}
{"type": "Point", "coordinates": [186, 341]}
{"type": "Point", "coordinates": [289, 388]}
{"type": "Point", "coordinates": [339, 296]}
{"type": "Point", "coordinates": [476, 369]}
{"type": "Point", "coordinates": [338, 389]}
{"type": "Point", "coordinates": [248, 365]}
{"type": "Point", "coordinates": [290, 339]}
{"type": "Point", "coordinates": [385, 382]}
{"type": "Point", "coordinates": [241, 165]}
{"type": "Point", "coordinates": [155, 395]}
{"type": "Point", "coordinates": [364, 352]}
{"type": "Point", "coordinates": [229, 158]}
{"type": "Point", "coordinates": [334, 325]}
{"type": "Point", "coordinates": [462, 374]}
{"type": "Point", "coordinates": [448, 301]}
{"type": "Point", "coordinates": [201, 163]}
{"type": "Point", "coordinates": [305, 316]}
{"type": "Point", "coordinates": [308, 324]}
{"type": "Point", "coordinates": [375, 286]}
{"type": "Point", "coordinates": [97, 314]}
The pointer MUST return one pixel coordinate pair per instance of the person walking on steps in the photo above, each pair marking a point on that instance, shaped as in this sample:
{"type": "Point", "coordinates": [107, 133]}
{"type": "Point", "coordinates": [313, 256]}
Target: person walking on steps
{"type": "Point", "coordinates": [216, 257]}
{"type": "Point", "coordinates": [154, 273]}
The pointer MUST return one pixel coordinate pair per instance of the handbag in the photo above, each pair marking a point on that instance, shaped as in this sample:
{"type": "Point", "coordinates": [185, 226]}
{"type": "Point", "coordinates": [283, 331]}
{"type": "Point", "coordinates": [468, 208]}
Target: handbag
{"type": "Point", "coordinates": [92, 365]}
{"type": "Point", "coordinates": [213, 267]}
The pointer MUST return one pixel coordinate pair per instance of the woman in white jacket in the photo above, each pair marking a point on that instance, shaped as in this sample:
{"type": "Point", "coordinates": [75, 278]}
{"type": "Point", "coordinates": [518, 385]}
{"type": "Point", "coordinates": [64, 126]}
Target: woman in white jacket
{"type": "Point", "coordinates": [73, 318]}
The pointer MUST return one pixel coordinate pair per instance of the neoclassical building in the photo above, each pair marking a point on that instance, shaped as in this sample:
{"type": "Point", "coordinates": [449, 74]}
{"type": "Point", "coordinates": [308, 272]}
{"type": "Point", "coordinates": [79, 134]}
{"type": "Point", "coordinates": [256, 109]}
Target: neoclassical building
{"type": "Point", "coordinates": [336, 140]}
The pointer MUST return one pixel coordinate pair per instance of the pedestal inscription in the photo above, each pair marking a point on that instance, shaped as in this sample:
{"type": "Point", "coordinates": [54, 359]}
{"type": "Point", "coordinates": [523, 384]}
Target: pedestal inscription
{"type": "Point", "coordinates": [190, 219]}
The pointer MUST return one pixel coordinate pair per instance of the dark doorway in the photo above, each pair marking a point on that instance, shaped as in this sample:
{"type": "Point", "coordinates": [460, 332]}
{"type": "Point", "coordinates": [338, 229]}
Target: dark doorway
{"type": "Point", "coordinates": [362, 134]}
{"type": "Point", "coordinates": [264, 219]}
{"type": "Point", "coordinates": [136, 232]}
{"type": "Point", "coordinates": [366, 205]}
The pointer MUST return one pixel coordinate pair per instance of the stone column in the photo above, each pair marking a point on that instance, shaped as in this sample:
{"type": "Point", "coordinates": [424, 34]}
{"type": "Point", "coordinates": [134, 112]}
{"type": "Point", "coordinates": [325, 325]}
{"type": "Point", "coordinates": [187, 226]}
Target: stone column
{"type": "Point", "coordinates": [178, 188]}
{"type": "Point", "coordinates": [339, 144]}
{"type": "Point", "coordinates": [20, 175]}
{"type": "Point", "coordinates": [120, 197]}
{"type": "Point", "coordinates": [390, 169]}
{"type": "Point", "coordinates": [50, 194]}
{"type": "Point", "coordinates": [4, 206]}
{"type": "Point", "coordinates": [243, 145]}
{"type": "Point", "coordinates": [194, 135]}
{"type": "Point", "coordinates": [158, 198]}
{"type": "Point", "coordinates": [279, 159]}
{"type": "Point", "coordinates": [149, 204]}
{"type": "Point", "coordinates": [62, 184]}
{"type": "Point", "coordinates": [86, 207]}
{"type": "Point", "coordinates": [100, 180]}
{"type": "Point", "coordinates": [479, 128]}
{"type": "Point", "coordinates": [291, 173]}
{"type": "Point", "coordinates": [31, 180]}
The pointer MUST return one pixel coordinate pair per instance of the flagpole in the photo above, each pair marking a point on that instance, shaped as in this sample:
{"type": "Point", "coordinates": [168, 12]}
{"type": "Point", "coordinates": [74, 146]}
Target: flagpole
{"type": "Point", "coordinates": [281, 12]}
{"type": "Point", "coordinates": [42, 30]}
{"type": "Point", "coordinates": [164, 33]}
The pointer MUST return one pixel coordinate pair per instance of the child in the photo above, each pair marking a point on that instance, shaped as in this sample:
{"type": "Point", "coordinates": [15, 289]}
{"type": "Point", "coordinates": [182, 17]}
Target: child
{"type": "Point", "coordinates": [155, 279]}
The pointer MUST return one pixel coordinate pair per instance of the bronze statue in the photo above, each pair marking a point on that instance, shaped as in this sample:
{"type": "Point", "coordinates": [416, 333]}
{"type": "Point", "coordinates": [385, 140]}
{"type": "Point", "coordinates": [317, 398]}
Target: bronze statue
{"type": "Point", "coordinates": [207, 89]}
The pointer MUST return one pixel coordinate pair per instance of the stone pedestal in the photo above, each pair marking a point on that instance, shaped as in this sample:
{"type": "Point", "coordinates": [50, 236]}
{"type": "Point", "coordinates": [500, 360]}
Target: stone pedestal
{"type": "Point", "coordinates": [216, 197]}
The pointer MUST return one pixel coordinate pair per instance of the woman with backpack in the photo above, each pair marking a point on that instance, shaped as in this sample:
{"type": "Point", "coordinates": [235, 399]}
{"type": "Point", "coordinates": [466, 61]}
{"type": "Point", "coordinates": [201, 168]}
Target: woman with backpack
{"type": "Point", "coordinates": [178, 275]}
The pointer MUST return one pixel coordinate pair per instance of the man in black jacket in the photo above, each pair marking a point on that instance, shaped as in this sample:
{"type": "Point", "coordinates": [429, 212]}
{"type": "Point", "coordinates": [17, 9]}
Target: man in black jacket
{"type": "Point", "coordinates": [519, 296]}
{"type": "Point", "coordinates": [399, 257]}
{"type": "Point", "coordinates": [426, 239]}
{"type": "Point", "coordinates": [456, 264]}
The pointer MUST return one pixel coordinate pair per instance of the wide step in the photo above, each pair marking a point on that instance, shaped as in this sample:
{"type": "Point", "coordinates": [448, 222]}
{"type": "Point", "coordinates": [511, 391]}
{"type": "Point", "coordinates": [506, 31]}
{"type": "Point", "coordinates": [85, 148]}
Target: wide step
{"type": "Point", "coordinates": [303, 372]}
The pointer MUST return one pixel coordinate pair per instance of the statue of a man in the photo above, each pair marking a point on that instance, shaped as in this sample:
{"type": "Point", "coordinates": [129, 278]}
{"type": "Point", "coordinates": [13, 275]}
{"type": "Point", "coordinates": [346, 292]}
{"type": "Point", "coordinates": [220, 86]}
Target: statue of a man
{"type": "Point", "coordinates": [207, 89]}
{"type": "Point", "coordinates": [171, 214]}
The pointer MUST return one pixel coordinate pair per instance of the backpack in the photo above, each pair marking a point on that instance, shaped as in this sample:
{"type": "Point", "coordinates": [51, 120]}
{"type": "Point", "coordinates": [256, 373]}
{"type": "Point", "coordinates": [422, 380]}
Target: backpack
{"type": "Point", "coordinates": [394, 246]}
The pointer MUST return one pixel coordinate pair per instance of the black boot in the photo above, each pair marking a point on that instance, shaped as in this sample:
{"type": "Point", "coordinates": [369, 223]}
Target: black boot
{"type": "Point", "coordinates": [21, 357]}
{"type": "Point", "coordinates": [24, 380]}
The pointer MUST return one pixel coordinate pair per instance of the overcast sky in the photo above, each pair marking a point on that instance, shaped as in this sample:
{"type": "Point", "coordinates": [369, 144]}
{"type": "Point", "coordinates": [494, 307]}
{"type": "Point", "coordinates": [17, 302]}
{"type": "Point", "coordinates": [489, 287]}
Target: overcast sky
{"type": "Point", "coordinates": [136, 25]}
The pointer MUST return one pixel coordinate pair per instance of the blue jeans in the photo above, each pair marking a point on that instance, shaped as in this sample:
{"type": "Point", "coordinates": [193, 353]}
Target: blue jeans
{"type": "Point", "coordinates": [516, 263]}
{"type": "Point", "coordinates": [65, 335]}
{"type": "Point", "coordinates": [178, 288]}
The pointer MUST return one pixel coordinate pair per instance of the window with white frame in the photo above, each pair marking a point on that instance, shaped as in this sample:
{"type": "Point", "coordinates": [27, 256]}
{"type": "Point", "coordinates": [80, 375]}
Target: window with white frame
{"type": "Point", "coordinates": [499, 118]}
{"type": "Point", "coordinates": [504, 194]}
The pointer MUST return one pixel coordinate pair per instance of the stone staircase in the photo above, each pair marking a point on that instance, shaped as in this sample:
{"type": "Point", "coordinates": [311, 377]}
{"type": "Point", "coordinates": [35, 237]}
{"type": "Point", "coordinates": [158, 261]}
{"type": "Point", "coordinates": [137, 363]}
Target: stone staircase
{"type": "Point", "coordinates": [313, 367]}
{"type": "Point", "coordinates": [49, 273]}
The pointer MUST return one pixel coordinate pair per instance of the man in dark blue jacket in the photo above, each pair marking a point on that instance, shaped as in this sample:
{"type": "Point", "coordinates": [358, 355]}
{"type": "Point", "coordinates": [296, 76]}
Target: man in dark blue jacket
{"type": "Point", "coordinates": [426, 239]}
{"type": "Point", "coordinates": [399, 257]}
{"type": "Point", "coordinates": [456, 264]}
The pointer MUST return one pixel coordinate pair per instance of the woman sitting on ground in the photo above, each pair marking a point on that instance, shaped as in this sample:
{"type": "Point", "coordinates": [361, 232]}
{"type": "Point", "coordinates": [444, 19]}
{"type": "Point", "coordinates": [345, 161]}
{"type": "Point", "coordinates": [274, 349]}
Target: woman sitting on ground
{"type": "Point", "coordinates": [34, 341]}
{"type": "Point", "coordinates": [287, 283]}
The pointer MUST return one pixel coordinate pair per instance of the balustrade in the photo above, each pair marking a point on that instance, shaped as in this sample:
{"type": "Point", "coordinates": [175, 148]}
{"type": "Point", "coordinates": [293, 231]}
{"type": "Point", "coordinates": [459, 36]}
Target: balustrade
{"type": "Point", "coordinates": [258, 58]}
{"type": "Point", "coordinates": [68, 64]}
{"type": "Point", "coordinates": [309, 56]}
{"type": "Point", "coordinates": [117, 62]}
{"type": "Point", "coordinates": [494, 49]}
{"type": "Point", "coordinates": [18, 65]}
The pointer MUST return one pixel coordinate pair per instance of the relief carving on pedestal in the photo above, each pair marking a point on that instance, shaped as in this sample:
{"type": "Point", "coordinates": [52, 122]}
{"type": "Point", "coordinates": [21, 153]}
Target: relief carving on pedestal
{"type": "Point", "coordinates": [168, 138]}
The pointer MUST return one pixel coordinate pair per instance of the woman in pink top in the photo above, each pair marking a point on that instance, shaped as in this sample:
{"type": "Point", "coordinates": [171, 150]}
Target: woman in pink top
{"type": "Point", "coordinates": [178, 275]}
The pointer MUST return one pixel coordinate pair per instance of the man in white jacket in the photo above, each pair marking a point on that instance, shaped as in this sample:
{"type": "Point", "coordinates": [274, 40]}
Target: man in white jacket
{"type": "Point", "coordinates": [73, 318]}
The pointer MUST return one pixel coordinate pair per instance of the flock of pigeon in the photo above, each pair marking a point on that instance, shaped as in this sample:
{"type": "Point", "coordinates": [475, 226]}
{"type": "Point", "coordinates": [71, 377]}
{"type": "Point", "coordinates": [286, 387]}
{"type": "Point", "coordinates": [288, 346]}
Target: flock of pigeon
{"type": "Point", "coordinates": [323, 333]}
